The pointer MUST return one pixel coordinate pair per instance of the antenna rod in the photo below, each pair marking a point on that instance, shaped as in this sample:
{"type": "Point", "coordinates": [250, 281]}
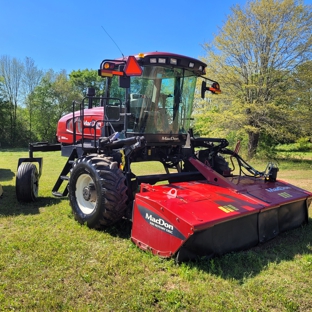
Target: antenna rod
{"type": "Point", "coordinates": [113, 41]}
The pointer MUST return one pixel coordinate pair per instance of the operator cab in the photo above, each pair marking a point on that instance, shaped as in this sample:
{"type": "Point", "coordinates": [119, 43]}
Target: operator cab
{"type": "Point", "coordinates": [149, 95]}
{"type": "Point", "coordinates": [163, 104]}
{"type": "Point", "coordinates": [158, 102]}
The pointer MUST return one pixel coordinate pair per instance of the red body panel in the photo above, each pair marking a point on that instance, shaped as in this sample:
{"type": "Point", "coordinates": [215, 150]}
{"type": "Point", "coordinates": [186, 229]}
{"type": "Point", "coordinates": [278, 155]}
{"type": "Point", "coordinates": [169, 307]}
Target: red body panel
{"type": "Point", "coordinates": [93, 119]}
{"type": "Point", "coordinates": [166, 216]}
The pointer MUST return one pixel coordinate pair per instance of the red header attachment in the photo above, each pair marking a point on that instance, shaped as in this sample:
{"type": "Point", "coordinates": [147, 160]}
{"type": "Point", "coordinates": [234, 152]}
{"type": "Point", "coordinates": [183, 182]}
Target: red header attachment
{"type": "Point", "coordinates": [111, 68]}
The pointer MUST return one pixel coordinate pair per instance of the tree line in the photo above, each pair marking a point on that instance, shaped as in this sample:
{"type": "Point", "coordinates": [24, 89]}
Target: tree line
{"type": "Point", "coordinates": [32, 100]}
{"type": "Point", "coordinates": [262, 57]}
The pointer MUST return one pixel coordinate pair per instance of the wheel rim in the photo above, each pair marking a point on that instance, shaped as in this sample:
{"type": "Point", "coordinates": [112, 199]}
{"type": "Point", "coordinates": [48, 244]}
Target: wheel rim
{"type": "Point", "coordinates": [85, 194]}
{"type": "Point", "coordinates": [34, 182]}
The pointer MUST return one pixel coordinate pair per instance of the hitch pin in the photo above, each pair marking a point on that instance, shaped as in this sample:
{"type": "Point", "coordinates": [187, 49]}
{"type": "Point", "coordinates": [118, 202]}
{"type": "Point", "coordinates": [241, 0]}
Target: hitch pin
{"type": "Point", "coordinates": [174, 193]}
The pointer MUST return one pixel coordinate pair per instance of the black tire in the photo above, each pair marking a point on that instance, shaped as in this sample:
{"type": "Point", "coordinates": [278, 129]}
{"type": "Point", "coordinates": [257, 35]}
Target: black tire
{"type": "Point", "coordinates": [27, 182]}
{"type": "Point", "coordinates": [97, 191]}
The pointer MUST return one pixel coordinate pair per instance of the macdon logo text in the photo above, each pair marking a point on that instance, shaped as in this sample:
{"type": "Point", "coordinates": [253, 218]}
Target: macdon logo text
{"type": "Point", "coordinates": [165, 138]}
{"type": "Point", "coordinates": [159, 221]}
{"type": "Point", "coordinates": [277, 189]}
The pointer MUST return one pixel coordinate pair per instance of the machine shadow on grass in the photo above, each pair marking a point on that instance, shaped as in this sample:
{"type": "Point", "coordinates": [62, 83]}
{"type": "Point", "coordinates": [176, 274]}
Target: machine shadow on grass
{"type": "Point", "coordinates": [242, 265]}
{"type": "Point", "coordinates": [120, 229]}
{"type": "Point", "coordinates": [9, 205]}
{"type": "Point", "coordinates": [6, 175]}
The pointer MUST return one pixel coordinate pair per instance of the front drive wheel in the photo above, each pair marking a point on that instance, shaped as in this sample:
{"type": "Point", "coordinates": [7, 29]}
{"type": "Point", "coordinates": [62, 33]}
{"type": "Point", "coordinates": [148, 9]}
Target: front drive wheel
{"type": "Point", "coordinates": [97, 191]}
{"type": "Point", "coordinates": [27, 182]}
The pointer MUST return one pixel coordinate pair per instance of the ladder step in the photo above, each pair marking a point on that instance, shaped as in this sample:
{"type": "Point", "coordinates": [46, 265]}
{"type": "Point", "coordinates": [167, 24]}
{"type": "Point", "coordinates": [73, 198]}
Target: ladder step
{"type": "Point", "coordinates": [57, 194]}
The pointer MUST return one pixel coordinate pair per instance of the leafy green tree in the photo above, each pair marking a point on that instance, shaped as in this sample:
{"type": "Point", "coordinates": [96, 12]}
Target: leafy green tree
{"type": "Point", "coordinates": [4, 122]}
{"type": "Point", "coordinates": [30, 80]}
{"type": "Point", "coordinates": [82, 79]}
{"type": "Point", "coordinates": [17, 80]}
{"type": "Point", "coordinates": [11, 71]}
{"type": "Point", "coordinates": [302, 97]}
{"type": "Point", "coordinates": [253, 56]}
{"type": "Point", "coordinates": [51, 99]}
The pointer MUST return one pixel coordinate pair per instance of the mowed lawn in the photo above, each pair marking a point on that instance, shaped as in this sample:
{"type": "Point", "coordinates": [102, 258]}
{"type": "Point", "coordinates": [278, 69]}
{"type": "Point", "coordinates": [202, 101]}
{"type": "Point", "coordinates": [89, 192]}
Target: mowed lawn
{"type": "Point", "coordinates": [48, 262]}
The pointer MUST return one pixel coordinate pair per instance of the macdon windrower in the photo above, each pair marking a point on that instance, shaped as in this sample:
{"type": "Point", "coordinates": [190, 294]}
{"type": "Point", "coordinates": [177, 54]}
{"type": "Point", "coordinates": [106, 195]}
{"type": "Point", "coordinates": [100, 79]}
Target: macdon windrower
{"type": "Point", "coordinates": [199, 206]}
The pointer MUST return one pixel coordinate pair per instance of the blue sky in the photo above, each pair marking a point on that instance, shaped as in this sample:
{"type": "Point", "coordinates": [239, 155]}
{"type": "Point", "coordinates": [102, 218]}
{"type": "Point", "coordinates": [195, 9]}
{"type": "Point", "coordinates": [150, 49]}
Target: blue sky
{"type": "Point", "coordinates": [68, 34]}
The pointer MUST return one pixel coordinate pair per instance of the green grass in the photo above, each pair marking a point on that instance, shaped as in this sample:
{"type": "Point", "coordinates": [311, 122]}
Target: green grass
{"type": "Point", "coordinates": [302, 145]}
{"type": "Point", "coordinates": [302, 150]}
{"type": "Point", "coordinates": [48, 262]}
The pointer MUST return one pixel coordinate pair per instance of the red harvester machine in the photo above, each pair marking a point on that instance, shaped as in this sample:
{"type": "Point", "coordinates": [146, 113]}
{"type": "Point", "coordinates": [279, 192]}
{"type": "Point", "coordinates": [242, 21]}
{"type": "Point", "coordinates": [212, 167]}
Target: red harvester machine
{"type": "Point", "coordinates": [204, 209]}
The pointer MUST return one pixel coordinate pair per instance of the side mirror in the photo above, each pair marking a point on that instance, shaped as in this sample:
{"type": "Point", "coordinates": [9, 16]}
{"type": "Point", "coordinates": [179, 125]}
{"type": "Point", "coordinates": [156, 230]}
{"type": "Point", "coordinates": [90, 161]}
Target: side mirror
{"type": "Point", "coordinates": [124, 81]}
{"type": "Point", "coordinates": [203, 89]}
{"type": "Point", "coordinates": [90, 91]}
{"type": "Point", "coordinates": [215, 89]}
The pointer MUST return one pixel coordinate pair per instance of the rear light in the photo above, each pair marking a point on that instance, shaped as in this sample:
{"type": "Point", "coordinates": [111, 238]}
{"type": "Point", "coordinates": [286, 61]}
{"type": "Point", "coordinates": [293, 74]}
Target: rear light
{"type": "Point", "coordinates": [108, 65]}
{"type": "Point", "coordinates": [131, 68]}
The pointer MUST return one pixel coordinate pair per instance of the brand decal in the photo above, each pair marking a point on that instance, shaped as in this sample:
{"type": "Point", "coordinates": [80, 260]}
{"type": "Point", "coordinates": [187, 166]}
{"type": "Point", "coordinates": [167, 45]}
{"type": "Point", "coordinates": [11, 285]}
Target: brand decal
{"type": "Point", "coordinates": [159, 223]}
{"type": "Point", "coordinates": [277, 189]}
{"type": "Point", "coordinates": [165, 138]}
{"type": "Point", "coordinates": [92, 123]}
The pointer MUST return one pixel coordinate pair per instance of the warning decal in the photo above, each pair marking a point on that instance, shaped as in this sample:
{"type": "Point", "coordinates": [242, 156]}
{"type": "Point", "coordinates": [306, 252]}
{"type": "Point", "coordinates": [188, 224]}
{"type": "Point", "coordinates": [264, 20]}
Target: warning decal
{"type": "Point", "coordinates": [228, 208]}
{"type": "Point", "coordinates": [284, 195]}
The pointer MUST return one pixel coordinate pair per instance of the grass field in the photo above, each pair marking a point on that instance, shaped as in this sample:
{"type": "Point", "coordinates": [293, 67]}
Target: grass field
{"type": "Point", "coordinates": [48, 262]}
